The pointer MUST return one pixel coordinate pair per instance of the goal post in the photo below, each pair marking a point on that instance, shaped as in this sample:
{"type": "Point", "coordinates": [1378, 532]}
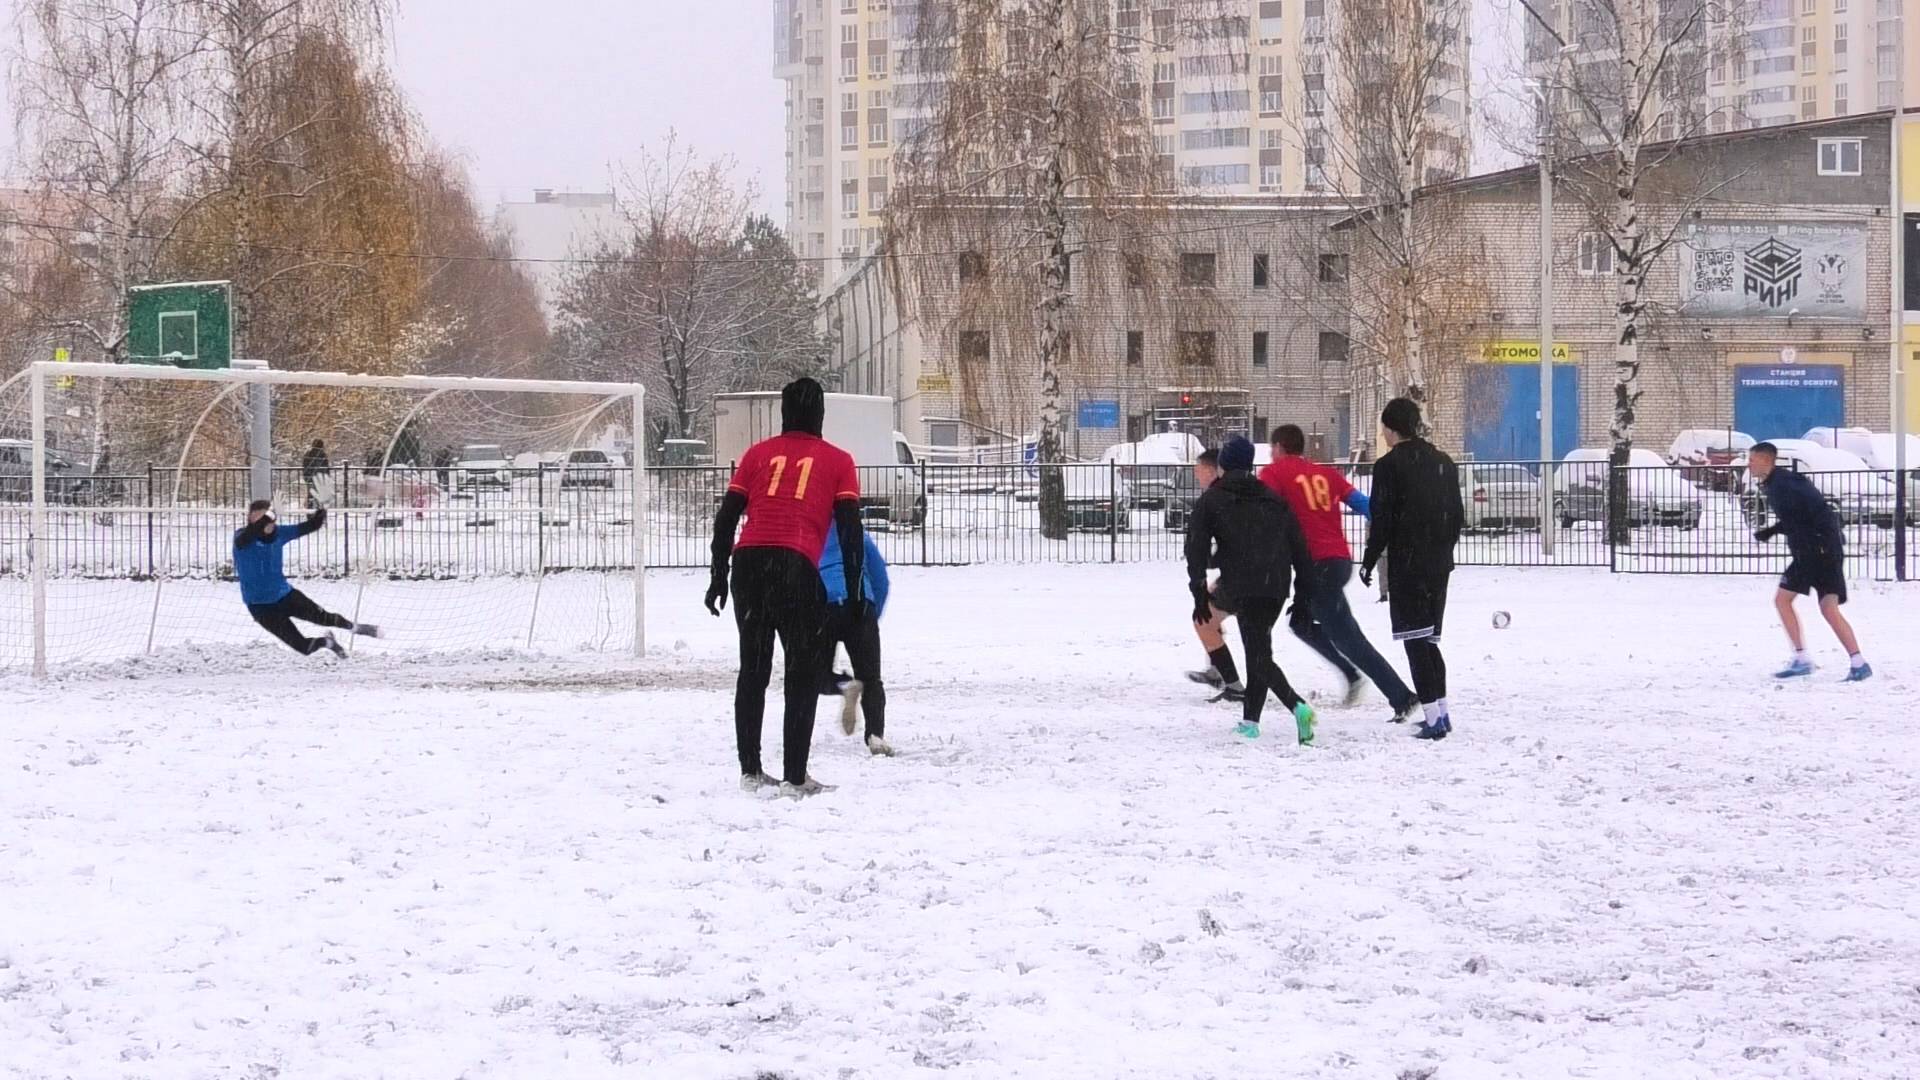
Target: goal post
{"type": "Point", "coordinates": [463, 512]}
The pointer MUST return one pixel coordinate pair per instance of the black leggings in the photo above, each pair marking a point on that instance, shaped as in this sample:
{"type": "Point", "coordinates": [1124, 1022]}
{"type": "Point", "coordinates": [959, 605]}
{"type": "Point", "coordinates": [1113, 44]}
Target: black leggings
{"type": "Point", "coordinates": [861, 635]}
{"type": "Point", "coordinates": [777, 592]}
{"type": "Point", "coordinates": [1428, 668]}
{"type": "Point", "coordinates": [278, 618]}
{"type": "Point", "coordinates": [1257, 619]}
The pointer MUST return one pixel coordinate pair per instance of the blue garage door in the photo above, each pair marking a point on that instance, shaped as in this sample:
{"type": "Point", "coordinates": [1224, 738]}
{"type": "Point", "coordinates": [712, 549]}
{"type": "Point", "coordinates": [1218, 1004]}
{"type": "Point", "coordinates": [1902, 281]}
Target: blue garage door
{"type": "Point", "coordinates": [1503, 411]}
{"type": "Point", "coordinates": [1774, 402]}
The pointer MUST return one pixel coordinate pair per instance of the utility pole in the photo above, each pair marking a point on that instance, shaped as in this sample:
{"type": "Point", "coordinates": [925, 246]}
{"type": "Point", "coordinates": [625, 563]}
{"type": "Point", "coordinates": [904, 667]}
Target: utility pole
{"type": "Point", "coordinates": [1897, 259]}
{"type": "Point", "coordinates": [1547, 517]}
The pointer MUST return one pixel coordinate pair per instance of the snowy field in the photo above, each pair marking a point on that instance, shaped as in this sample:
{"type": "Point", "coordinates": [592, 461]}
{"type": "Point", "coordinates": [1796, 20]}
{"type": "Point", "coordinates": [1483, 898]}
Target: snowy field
{"type": "Point", "coordinates": [1638, 857]}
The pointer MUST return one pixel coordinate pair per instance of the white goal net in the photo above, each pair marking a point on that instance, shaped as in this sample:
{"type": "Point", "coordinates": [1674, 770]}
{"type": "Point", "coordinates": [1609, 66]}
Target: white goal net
{"type": "Point", "coordinates": [462, 514]}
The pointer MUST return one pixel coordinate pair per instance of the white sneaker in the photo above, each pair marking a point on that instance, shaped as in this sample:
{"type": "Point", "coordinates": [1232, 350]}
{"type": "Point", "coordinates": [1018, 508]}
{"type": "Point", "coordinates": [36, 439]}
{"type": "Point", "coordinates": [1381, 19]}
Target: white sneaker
{"type": "Point", "coordinates": [850, 704]}
{"type": "Point", "coordinates": [878, 747]}
{"type": "Point", "coordinates": [334, 646]}
{"type": "Point", "coordinates": [801, 791]}
{"type": "Point", "coordinates": [756, 781]}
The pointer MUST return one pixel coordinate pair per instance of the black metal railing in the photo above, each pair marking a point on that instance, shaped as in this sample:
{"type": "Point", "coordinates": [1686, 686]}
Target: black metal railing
{"type": "Point", "coordinates": [427, 522]}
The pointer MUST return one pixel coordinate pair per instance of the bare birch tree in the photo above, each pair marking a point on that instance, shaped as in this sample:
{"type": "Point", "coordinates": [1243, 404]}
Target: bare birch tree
{"type": "Point", "coordinates": [1396, 120]}
{"type": "Point", "coordinates": [1624, 81]}
{"type": "Point", "coordinates": [698, 297]}
{"type": "Point", "coordinates": [1034, 148]}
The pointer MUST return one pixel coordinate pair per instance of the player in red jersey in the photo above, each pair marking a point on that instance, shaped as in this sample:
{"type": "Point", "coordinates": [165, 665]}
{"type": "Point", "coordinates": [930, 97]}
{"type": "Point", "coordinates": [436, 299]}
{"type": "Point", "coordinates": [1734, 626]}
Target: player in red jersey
{"type": "Point", "coordinates": [1326, 623]}
{"type": "Point", "coordinates": [793, 488]}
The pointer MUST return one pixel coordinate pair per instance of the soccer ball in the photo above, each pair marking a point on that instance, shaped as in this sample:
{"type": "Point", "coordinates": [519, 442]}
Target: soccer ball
{"type": "Point", "coordinates": [1501, 620]}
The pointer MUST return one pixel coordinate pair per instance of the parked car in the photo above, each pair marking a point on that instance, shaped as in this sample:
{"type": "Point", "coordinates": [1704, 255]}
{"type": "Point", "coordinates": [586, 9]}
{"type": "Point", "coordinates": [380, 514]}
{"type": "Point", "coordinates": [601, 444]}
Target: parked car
{"type": "Point", "coordinates": [1657, 493]}
{"type": "Point", "coordinates": [587, 468]}
{"type": "Point", "coordinates": [69, 482]}
{"type": "Point", "coordinates": [1878, 451]}
{"type": "Point", "coordinates": [484, 465]}
{"type": "Point", "coordinates": [1152, 468]}
{"type": "Point", "coordinates": [1499, 496]}
{"type": "Point", "coordinates": [1706, 456]}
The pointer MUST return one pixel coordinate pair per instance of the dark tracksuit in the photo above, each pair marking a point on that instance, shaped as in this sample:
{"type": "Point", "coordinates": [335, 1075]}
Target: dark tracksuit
{"type": "Point", "coordinates": [1416, 523]}
{"type": "Point", "coordinates": [777, 593]}
{"type": "Point", "coordinates": [1813, 535]}
{"type": "Point", "coordinates": [857, 626]}
{"type": "Point", "coordinates": [273, 603]}
{"type": "Point", "coordinates": [313, 464]}
{"type": "Point", "coordinates": [1240, 524]}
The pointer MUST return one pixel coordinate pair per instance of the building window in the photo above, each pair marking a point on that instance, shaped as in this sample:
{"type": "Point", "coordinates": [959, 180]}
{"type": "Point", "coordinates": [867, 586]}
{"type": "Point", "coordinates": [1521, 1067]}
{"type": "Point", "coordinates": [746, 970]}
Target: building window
{"type": "Point", "coordinates": [1596, 253]}
{"type": "Point", "coordinates": [1196, 347]}
{"type": "Point", "coordinates": [1839, 157]}
{"type": "Point", "coordinates": [1260, 348]}
{"type": "Point", "coordinates": [1134, 265]}
{"type": "Point", "coordinates": [877, 199]}
{"type": "Point", "coordinates": [1333, 347]}
{"type": "Point", "coordinates": [877, 133]}
{"type": "Point", "coordinates": [976, 348]}
{"type": "Point", "coordinates": [1215, 138]}
{"type": "Point", "coordinates": [1260, 271]}
{"type": "Point", "coordinates": [1214, 176]}
{"type": "Point", "coordinates": [877, 65]}
{"type": "Point", "coordinates": [1333, 269]}
{"type": "Point", "coordinates": [849, 202]}
{"type": "Point", "coordinates": [849, 136]}
{"type": "Point", "coordinates": [849, 68]}
{"type": "Point", "coordinates": [1196, 268]}
{"type": "Point", "coordinates": [1270, 103]}
{"type": "Point", "coordinates": [973, 267]}
{"type": "Point", "coordinates": [1136, 348]}
{"type": "Point", "coordinates": [1270, 178]}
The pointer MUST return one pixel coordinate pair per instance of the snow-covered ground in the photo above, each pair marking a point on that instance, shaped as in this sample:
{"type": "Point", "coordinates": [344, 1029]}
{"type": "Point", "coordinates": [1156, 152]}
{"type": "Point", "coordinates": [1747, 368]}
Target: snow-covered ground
{"type": "Point", "coordinates": [1638, 858]}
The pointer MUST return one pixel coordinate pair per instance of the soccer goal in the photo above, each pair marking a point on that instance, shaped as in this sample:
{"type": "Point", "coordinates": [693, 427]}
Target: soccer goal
{"type": "Point", "coordinates": [462, 513]}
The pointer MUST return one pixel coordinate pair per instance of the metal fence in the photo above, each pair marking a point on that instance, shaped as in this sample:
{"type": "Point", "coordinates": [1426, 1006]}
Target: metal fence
{"type": "Point", "coordinates": [428, 522]}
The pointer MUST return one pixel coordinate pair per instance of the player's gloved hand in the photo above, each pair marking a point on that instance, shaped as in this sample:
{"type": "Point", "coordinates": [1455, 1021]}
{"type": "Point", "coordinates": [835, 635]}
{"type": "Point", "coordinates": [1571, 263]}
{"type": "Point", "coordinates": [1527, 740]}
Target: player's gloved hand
{"type": "Point", "coordinates": [1767, 534]}
{"type": "Point", "coordinates": [717, 593]}
{"type": "Point", "coordinates": [1366, 576]}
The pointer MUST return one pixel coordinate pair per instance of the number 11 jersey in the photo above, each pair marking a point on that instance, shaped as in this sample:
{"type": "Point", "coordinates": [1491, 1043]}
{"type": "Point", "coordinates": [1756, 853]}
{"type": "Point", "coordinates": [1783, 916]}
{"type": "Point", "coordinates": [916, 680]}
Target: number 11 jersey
{"type": "Point", "coordinates": [791, 482]}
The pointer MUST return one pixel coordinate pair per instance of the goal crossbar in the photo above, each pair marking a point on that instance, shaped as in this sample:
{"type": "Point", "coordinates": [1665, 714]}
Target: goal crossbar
{"type": "Point", "coordinates": [342, 380]}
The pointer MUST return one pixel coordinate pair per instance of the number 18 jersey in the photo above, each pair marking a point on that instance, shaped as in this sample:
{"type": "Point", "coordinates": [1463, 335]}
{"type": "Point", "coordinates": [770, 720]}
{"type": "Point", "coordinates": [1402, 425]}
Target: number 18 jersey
{"type": "Point", "coordinates": [1315, 493]}
{"type": "Point", "coordinates": [791, 482]}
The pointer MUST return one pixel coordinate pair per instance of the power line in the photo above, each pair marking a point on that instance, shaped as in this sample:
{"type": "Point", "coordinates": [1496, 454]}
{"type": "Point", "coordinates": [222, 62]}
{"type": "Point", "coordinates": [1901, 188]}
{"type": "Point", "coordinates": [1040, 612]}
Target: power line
{"type": "Point", "coordinates": [419, 256]}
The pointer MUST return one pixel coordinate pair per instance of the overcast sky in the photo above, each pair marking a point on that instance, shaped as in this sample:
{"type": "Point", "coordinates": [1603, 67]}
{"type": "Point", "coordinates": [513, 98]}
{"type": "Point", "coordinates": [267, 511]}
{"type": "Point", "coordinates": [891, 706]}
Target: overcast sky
{"type": "Point", "coordinates": [549, 93]}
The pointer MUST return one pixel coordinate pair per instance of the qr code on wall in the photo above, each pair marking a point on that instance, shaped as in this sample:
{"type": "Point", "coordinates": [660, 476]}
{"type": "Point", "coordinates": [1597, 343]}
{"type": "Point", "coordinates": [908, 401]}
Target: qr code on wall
{"type": "Point", "coordinates": [1713, 270]}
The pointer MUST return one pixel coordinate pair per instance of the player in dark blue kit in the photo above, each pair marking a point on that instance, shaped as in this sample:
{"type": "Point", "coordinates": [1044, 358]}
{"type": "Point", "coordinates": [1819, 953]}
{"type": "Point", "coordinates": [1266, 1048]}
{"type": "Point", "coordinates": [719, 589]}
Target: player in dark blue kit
{"type": "Point", "coordinates": [273, 603]}
{"type": "Point", "coordinates": [1819, 563]}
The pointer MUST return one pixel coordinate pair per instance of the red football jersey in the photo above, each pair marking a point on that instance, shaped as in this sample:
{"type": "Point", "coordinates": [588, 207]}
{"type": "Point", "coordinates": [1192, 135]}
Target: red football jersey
{"type": "Point", "coordinates": [1315, 492]}
{"type": "Point", "coordinates": [791, 482]}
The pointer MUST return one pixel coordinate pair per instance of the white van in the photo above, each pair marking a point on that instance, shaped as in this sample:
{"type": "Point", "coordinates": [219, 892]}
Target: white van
{"type": "Point", "coordinates": [860, 424]}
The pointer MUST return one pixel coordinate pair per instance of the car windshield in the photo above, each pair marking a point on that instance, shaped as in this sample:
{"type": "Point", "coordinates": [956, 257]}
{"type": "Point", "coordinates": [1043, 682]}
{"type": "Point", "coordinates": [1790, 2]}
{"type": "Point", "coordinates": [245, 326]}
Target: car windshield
{"type": "Point", "coordinates": [587, 457]}
{"type": "Point", "coordinates": [1501, 474]}
{"type": "Point", "coordinates": [481, 453]}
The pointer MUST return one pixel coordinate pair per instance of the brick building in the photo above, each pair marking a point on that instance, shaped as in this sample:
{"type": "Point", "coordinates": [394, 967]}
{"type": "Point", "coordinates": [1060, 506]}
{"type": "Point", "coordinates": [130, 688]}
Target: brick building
{"type": "Point", "coordinates": [1769, 314]}
{"type": "Point", "coordinates": [1230, 330]}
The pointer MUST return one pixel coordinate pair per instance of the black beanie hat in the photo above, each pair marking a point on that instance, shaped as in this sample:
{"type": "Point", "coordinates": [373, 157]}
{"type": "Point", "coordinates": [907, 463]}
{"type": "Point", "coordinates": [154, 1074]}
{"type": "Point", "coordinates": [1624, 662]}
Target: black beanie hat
{"type": "Point", "coordinates": [1402, 417]}
{"type": "Point", "coordinates": [803, 407]}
